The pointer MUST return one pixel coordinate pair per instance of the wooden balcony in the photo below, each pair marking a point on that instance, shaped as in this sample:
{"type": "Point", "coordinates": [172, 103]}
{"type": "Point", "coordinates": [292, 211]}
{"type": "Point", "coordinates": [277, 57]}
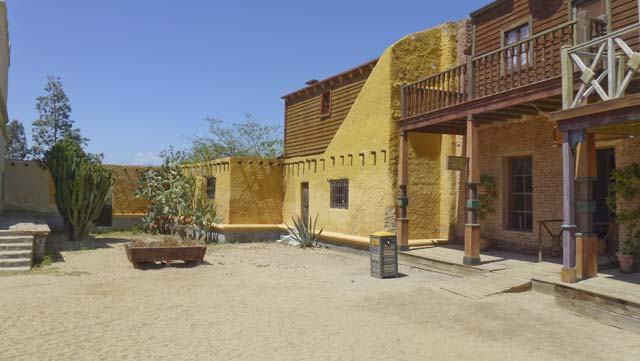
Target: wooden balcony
{"type": "Point", "coordinates": [521, 78]}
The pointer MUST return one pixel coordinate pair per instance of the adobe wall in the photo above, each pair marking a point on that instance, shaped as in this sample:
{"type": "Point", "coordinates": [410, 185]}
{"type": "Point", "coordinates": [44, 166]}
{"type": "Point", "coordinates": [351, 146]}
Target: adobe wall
{"type": "Point", "coordinates": [365, 151]}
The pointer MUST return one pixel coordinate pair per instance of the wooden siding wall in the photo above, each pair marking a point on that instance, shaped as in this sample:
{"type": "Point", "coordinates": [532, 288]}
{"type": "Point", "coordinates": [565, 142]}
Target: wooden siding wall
{"type": "Point", "coordinates": [544, 15]}
{"type": "Point", "coordinates": [306, 133]}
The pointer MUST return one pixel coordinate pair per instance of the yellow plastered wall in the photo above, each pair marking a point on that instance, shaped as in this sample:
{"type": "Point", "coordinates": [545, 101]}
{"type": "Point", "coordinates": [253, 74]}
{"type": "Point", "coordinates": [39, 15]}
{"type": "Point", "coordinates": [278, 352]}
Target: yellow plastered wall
{"type": "Point", "coordinates": [220, 169]}
{"type": "Point", "coordinates": [365, 151]}
{"type": "Point", "coordinates": [126, 180]}
{"type": "Point", "coordinates": [28, 187]}
{"type": "Point", "coordinates": [248, 190]}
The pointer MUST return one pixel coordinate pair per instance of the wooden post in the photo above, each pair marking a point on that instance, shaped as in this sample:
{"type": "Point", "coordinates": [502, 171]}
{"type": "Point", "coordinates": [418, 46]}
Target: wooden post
{"type": "Point", "coordinates": [567, 77]}
{"type": "Point", "coordinates": [472, 226]}
{"type": "Point", "coordinates": [583, 26]}
{"type": "Point", "coordinates": [471, 79]}
{"type": "Point", "coordinates": [568, 273]}
{"type": "Point", "coordinates": [402, 222]}
{"type": "Point", "coordinates": [586, 240]}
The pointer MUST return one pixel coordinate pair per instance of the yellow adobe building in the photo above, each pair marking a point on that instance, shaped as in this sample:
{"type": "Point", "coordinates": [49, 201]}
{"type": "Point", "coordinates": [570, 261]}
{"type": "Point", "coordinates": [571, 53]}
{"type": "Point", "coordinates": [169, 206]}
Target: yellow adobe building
{"type": "Point", "coordinates": [341, 156]}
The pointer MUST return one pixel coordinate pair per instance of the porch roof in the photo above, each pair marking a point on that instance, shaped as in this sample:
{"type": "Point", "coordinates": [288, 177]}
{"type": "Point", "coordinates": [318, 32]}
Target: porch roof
{"type": "Point", "coordinates": [616, 116]}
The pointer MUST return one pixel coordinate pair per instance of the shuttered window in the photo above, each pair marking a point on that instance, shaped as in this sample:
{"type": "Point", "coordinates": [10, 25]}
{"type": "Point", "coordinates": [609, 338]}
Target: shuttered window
{"type": "Point", "coordinates": [211, 187]}
{"type": "Point", "coordinates": [325, 104]}
{"type": "Point", "coordinates": [339, 193]}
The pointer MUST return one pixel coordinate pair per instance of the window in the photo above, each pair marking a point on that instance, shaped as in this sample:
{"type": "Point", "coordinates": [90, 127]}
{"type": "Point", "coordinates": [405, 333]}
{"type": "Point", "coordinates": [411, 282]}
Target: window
{"type": "Point", "coordinates": [339, 193]}
{"type": "Point", "coordinates": [517, 57]}
{"type": "Point", "coordinates": [211, 187]}
{"type": "Point", "coordinates": [520, 194]}
{"type": "Point", "coordinates": [325, 104]}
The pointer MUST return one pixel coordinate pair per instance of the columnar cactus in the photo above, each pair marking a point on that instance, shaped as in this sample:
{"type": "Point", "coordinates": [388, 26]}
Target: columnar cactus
{"type": "Point", "coordinates": [81, 187]}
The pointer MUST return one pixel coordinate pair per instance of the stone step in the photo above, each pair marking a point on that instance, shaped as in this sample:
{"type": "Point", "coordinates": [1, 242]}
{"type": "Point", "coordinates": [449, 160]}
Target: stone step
{"type": "Point", "coordinates": [15, 269]}
{"type": "Point", "coordinates": [15, 239]}
{"type": "Point", "coordinates": [16, 246]}
{"type": "Point", "coordinates": [15, 262]}
{"type": "Point", "coordinates": [21, 253]}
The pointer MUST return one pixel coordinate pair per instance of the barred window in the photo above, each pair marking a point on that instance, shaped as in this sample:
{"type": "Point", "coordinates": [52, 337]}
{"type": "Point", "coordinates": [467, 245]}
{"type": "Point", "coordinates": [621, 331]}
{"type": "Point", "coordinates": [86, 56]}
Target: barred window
{"type": "Point", "coordinates": [339, 193]}
{"type": "Point", "coordinates": [520, 194]}
{"type": "Point", "coordinates": [211, 187]}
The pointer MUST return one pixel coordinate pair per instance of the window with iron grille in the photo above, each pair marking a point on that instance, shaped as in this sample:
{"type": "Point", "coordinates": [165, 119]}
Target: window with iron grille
{"type": "Point", "coordinates": [211, 187]}
{"type": "Point", "coordinates": [339, 193]}
{"type": "Point", "coordinates": [520, 194]}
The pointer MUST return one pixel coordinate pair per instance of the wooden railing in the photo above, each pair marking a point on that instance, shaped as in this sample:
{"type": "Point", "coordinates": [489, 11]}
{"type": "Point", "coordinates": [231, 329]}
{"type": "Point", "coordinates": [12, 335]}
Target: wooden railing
{"type": "Point", "coordinates": [604, 67]}
{"type": "Point", "coordinates": [525, 62]}
{"type": "Point", "coordinates": [437, 91]}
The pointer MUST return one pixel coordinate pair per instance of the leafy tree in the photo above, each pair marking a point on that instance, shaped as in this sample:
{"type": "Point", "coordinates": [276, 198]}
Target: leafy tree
{"type": "Point", "coordinates": [17, 141]}
{"type": "Point", "coordinates": [81, 186]}
{"type": "Point", "coordinates": [248, 138]}
{"type": "Point", "coordinates": [54, 121]}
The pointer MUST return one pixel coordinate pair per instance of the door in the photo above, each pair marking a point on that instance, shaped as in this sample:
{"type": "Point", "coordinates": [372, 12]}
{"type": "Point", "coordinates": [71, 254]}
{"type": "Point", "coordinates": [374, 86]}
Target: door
{"type": "Point", "coordinates": [304, 207]}
{"type": "Point", "coordinates": [603, 219]}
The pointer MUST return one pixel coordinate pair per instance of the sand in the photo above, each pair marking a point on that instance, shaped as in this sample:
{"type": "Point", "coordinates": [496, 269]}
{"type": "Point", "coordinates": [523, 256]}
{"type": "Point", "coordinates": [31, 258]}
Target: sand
{"type": "Point", "coordinates": [272, 302]}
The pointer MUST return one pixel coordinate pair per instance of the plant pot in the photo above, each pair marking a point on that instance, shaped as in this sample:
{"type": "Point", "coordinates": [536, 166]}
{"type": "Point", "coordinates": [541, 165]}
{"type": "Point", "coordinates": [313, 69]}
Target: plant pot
{"type": "Point", "coordinates": [485, 243]}
{"type": "Point", "coordinates": [189, 254]}
{"type": "Point", "coordinates": [626, 262]}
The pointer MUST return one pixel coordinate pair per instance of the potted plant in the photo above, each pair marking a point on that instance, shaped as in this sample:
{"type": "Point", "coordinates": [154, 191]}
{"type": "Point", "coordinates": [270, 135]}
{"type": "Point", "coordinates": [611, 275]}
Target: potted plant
{"type": "Point", "coordinates": [626, 188]}
{"type": "Point", "coordinates": [488, 192]}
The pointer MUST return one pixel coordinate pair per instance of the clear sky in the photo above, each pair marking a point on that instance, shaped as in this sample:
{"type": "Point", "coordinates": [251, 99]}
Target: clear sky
{"type": "Point", "coordinates": [142, 74]}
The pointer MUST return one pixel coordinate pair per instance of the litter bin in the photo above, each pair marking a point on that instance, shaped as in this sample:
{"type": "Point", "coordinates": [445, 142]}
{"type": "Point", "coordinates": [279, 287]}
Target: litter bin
{"type": "Point", "coordinates": [384, 255]}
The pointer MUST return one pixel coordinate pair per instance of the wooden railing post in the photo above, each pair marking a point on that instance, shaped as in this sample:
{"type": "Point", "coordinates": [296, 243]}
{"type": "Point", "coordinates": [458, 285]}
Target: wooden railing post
{"type": "Point", "coordinates": [471, 79]}
{"type": "Point", "coordinates": [567, 77]}
{"type": "Point", "coordinates": [583, 33]}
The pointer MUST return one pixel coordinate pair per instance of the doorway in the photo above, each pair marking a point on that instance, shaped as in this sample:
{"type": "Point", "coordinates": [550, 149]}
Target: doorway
{"type": "Point", "coordinates": [603, 219]}
{"type": "Point", "coordinates": [304, 206]}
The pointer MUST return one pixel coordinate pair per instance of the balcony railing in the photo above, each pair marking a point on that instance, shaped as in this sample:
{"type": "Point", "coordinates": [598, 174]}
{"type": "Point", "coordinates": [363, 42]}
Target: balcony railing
{"type": "Point", "coordinates": [522, 63]}
{"type": "Point", "coordinates": [604, 67]}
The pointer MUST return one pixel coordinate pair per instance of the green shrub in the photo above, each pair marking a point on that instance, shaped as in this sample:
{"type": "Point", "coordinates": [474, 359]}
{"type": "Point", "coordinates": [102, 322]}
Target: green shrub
{"type": "Point", "coordinates": [172, 201]}
{"type": "Point", "coordinates": [487, 196]}
{"type": "Point", "coordinates": [626, 186]}
{"type": "Point", "coordinates": [81, 186]}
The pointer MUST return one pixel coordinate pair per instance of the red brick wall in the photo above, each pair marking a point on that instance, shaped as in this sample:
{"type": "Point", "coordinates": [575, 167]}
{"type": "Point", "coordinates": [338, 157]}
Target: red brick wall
{"type": "Point", "coordinates": [534, 138]}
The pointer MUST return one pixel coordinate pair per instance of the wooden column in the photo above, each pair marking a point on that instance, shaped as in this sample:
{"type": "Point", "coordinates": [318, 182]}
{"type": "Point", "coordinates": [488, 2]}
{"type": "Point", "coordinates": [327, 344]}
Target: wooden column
{"type": "Point", "coordinates": [586, 239]}
{"type": "Point", "coordinates": [472, 226]}
{"type": "Point", "coordinates": [402, 222]}
{"type": "Point", "coordinates": [568, 273]}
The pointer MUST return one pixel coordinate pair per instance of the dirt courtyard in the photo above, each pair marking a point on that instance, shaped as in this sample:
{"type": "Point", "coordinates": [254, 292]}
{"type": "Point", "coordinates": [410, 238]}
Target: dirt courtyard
{"type": "Point", "coordinates": [271, 302]}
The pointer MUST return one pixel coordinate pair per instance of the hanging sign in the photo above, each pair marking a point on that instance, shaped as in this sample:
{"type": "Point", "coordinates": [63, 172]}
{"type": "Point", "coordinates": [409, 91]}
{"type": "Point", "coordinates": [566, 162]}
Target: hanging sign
{"type": "Point", "coordinates": [456, 163]}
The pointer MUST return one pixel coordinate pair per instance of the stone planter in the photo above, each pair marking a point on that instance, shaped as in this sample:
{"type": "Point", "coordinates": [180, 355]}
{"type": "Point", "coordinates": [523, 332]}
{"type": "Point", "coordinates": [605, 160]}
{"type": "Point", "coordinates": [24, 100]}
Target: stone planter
{"type": "Point", "coordinates": [626, 262]}
{"type": "Point", "coordinates": [188, 254]}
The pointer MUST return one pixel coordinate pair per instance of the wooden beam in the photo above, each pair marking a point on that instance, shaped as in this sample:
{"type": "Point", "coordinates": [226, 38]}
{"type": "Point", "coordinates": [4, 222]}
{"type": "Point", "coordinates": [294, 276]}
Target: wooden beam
{"type": "Point", "coordinates": [472, 226]}
{"type": "Point", "coordinates": [402, 222]}
{"type": "Point", "coordinates": [568, 273]}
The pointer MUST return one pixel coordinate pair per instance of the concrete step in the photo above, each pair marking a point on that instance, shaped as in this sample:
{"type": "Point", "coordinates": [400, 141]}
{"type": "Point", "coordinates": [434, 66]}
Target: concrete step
{"type": "Point", "coordinates": [15, 269]}
{"type": "Point", "coordinates": [15, 239]}
{"type": "Point", "coordinates": [22, 253]}
{"type": "Point", "coordinates": [16, 246]}
{"type": "Point", "coordinates": [15, 262]}
{"type": "Point", "coordinates": [411, 260]}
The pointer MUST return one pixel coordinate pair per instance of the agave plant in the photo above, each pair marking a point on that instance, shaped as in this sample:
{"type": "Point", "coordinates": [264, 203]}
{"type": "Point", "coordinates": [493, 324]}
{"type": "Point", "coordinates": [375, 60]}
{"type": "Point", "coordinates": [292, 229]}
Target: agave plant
{"type": "Point", "coordinates": [304, 232]}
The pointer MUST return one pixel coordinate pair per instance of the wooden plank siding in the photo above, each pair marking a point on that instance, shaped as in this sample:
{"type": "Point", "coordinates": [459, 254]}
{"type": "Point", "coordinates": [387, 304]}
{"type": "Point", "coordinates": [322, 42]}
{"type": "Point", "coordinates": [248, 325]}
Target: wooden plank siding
{"type": "Point", "coordinates": [625, 13]}
{"type": "Point", "coordinates": [306, 131]}
{"type": "Point", "coordinates": [503, 16]}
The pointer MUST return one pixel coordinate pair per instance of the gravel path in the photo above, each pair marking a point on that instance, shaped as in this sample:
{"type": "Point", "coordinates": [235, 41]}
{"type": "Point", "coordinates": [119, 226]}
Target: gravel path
{"type": "Point", "coordinates": [270, 302]}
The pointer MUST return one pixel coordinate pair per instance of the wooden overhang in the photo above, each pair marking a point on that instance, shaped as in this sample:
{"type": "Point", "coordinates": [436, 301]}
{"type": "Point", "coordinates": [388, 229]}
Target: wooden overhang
{"type": "Point", "coordinates": [335, 79]}
{"type": "Point", "coordinates": [619, 116]}
{"type": "Point", "coordinates": [532, 99]}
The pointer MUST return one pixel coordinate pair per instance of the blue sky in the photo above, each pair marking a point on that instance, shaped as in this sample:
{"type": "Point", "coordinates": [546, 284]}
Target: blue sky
{"type": "Point", "coordinates": [142, 75]}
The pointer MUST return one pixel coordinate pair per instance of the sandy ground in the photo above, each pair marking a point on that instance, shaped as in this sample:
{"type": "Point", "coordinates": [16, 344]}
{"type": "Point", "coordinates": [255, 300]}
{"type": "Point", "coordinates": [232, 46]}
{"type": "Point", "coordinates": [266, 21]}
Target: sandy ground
{"type": "Point", "coordinates": [270, 302]}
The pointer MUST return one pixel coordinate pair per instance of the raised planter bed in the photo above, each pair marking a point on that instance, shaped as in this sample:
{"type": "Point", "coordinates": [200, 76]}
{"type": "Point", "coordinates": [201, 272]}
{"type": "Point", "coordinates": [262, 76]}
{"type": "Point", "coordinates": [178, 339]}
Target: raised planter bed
{"type": "Point", "coordinates": [139, 254]}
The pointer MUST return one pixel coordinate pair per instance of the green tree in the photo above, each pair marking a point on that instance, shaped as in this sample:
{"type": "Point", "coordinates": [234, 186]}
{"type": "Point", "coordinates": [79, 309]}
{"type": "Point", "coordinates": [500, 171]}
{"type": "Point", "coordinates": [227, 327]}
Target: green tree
{"type": "Point", "coordinates": [81, 186]}
{"type": "Point", "coordinates": [16, 141]}
{"type": "Point", "coordinates": [248, 138]}
{"type": "Point", "coordinates": [54, 121]}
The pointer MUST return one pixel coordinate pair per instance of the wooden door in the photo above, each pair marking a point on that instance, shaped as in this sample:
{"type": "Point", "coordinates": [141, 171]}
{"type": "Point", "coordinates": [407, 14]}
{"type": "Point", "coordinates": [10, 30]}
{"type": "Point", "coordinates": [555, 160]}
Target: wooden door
{"type": "Point", "coordinates": [304, 207]}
